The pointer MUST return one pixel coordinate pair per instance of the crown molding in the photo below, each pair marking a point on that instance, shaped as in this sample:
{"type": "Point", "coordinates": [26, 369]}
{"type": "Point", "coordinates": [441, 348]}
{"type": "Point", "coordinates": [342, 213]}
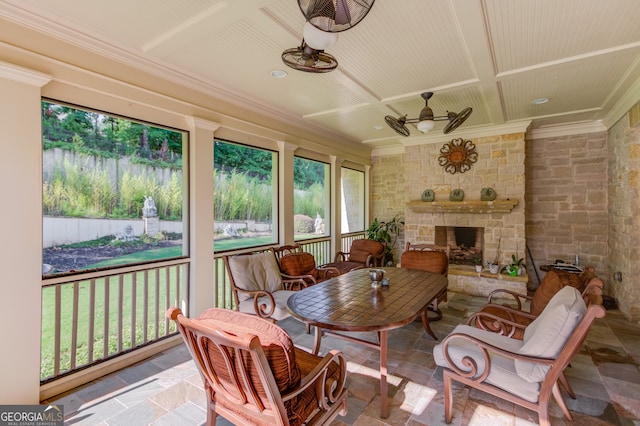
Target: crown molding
{"type": "Point", "coordinates": [23, 75]}
{"type": "Point", "coordinates": [387, 150]}
{"type": "Point", "coordinates": [566, 130]}
{"type": "Point", "coordinates": [470, 133]}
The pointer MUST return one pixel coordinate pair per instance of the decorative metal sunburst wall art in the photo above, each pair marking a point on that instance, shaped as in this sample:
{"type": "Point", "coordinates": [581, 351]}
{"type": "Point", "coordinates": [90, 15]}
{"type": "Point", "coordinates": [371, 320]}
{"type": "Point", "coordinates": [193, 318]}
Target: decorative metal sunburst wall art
{"type": "Point", "coordinates": [457, 156]}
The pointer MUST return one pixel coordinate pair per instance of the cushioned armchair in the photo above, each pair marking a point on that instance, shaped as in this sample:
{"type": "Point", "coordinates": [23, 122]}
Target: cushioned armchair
{"type": "Point", "coordinates": [525, 372]}
{"type": "Point", "coordinates": [253, 374]}
{"type": "Point", "coordinates": [258, 286]}
{"type": "Point", "coordinates": [363, 253]}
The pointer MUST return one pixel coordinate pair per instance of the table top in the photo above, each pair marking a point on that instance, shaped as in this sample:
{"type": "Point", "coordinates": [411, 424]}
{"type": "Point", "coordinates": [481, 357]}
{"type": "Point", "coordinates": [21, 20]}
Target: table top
{"type": "Point", "coordinates": [349, 303]}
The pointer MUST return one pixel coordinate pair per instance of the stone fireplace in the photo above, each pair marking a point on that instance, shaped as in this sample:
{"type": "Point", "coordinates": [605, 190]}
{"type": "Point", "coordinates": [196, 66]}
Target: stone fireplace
{"type": "Point", "coordinates": [496, 229]}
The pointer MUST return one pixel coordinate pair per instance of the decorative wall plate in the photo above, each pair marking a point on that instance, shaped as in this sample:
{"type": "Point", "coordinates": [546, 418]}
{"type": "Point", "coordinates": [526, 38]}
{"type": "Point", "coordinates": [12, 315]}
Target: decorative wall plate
{"type": "Point", "coordinates": [457, 156]}
{"type": "Point", "coordinates": [456, 195]}
{"type": "Point", "coordinates": [428, 195]}
{"type": "Point", "coordinates": [487, 194]}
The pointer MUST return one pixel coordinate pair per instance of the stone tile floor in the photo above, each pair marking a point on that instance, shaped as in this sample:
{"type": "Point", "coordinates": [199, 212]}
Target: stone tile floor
{"type": "Point", "coordinates": [167, 390]}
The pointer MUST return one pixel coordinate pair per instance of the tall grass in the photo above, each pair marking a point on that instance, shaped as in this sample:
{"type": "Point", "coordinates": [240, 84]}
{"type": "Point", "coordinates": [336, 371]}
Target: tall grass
{"type": "Point", "coordinates": [74, 192]}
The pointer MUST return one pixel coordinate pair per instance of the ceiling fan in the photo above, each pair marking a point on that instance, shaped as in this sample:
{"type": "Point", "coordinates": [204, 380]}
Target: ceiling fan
{"type": "Point", "coordinates": [426, 120]}
{"type": "Point", "coordinates": [335, 15]}
{"type": "Point", "coordinates": [305, 58]}
{"type": "Point", "coordinates": [325, 18]}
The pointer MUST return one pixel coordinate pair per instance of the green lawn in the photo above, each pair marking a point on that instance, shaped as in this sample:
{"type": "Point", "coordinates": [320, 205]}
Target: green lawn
{"type": "Point", "coordinates": [119, 296]}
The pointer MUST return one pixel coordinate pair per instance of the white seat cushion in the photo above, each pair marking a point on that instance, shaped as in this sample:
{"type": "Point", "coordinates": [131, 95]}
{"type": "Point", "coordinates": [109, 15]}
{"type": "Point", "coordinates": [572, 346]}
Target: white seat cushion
{"type": "Point", "coordinates": [280, 298]}
{"type": "Point", "coordinates": [502, 374]}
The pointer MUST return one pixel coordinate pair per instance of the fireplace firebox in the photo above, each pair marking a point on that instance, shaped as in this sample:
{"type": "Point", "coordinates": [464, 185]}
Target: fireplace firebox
{"type": "Point", "coordinates": [466, 243]}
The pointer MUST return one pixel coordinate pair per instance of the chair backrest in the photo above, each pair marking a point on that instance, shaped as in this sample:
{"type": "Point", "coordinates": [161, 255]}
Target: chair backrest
{"type": "Point", "coordinates": [428, 247]}
{"type": "Point", "coordinates": [254, 271]}
{"type": "Point", "coordinates": [554, 280]}
{"type": "Point", "coordinates": [286, 249]}
{"type": "Point", "coordinates": [296, 264]}
{"type": "Point", "coordinates": [361, 249]}
{"type": "Point", "coordinates": [426, 260]}
{"type": "Point", "coordinates": [246, 363]}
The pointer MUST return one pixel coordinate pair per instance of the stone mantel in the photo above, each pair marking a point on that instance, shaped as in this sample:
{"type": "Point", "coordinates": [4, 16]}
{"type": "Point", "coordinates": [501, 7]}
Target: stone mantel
{"type": "Point", "coordinates": [474, 206]}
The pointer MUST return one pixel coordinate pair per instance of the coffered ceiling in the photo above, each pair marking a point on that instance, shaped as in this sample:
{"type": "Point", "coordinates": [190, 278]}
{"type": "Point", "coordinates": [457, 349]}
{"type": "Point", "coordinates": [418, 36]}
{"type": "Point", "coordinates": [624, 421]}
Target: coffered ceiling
{"type": "Point", "coordinates": [496, 56]}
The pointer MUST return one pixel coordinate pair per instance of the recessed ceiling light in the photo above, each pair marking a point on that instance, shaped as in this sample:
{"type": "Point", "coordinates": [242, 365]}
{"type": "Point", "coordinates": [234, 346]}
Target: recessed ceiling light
{"type": "Point", "coordinates": [378, 127]}
{"type": "Point", "coordinates": [278, 74]}
{"type": "Point", "coordinates": [540, 101]}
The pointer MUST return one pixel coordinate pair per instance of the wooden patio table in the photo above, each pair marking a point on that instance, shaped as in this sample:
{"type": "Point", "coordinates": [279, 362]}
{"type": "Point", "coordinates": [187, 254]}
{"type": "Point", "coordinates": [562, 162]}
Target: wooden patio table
{"type": "Point", "coordinates": [348, 303]}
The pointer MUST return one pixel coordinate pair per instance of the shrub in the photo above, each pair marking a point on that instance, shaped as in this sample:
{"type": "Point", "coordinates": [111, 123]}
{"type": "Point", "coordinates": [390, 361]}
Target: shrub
{"type": "Point", "coordinates": [303, 224]}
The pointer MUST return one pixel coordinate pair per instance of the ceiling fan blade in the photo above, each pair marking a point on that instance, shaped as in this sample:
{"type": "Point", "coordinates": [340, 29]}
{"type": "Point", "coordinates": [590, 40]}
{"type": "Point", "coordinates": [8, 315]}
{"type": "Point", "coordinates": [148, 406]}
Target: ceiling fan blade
{"type": "Point", "coordinates": [457, 120]}
{"type": "Point", "coordinates": [397, 124]}
{"type": "Point", "coordinates": [343, 16]}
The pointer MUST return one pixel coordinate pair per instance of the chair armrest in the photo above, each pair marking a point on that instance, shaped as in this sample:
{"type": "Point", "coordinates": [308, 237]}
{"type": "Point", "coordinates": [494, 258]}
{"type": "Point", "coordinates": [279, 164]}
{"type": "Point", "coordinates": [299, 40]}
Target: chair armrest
{"type": "Point", "coordinates": [512, 312]}
{"type": "Point", "coordinates": [370, 262]}
{"type": "Point", "coordinates": [263, 310]}
{"type": "Point", "coordinates": [518, 297]}
{"type": "Point", "coordinates": [327, 272]}
{"type": "Point", "coordinates": [289, 281]}
{"type": "Point", "coordinates": [328, 390]}
{"type": "Point", "coordinates": [373, 261]}
{"type": "Point", "coordinates": [478, 370]}
{"type": "Point", "coordinates": [342, 256]}
{"type": "Point", "coordinates": [505, 327]}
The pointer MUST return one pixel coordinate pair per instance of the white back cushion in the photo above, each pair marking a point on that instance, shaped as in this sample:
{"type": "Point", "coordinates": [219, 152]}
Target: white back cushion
{"type": "Point", "coordinates": [547, 334]}
{"type": "Point", "coordinates": [258, 271]}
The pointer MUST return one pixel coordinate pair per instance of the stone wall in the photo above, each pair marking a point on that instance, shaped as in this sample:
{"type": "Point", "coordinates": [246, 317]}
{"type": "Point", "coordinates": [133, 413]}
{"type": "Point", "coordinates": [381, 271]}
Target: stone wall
{"type": "Point", "coordinates": [500, 165]}
{"type": "Point", "coordinates": [566, 193]}
{"type": "Point", "coordinates": [387, 196]}
{"type": "Point", "coordinates": [624, 216]}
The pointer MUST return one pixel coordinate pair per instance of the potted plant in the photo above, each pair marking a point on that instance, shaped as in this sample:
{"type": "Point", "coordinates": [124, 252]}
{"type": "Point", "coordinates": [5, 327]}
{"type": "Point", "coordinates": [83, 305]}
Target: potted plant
{"type": "Point", "coordinates": [386, 233]}
{"type": "Point", "coordinates": [477, 261]}
{"type": "Point", "coordinates": [515, 267]}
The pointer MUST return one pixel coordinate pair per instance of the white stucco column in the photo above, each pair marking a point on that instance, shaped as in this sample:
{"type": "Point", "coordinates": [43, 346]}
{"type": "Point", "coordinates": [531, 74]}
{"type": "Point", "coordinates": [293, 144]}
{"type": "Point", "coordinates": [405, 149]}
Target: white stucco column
{"type": "Point", "coordinates": [21, 231]}
{"type": "Point", "coordinates": [286, 233]}
{"type": "Point", "coordinates": [336, 204]}
{"type": "Point", "coordinates": [201, 230]}
{"type": "Point", "coordinates": [367, 191]}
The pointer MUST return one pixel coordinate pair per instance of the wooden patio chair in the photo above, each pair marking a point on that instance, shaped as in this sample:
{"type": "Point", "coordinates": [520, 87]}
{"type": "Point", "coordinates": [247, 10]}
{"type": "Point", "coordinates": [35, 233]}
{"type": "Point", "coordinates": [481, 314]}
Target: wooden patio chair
{"type": "Point", "coordinates": [363, 253]}
{"type": "Point", "coordinates": [439, 265]}
{"type": "Point", "coordinates": [254, 375]}
{"type": "Point", "coordinates": [525, 372]}
{"type": "Point", "coordinates": [432, 258]}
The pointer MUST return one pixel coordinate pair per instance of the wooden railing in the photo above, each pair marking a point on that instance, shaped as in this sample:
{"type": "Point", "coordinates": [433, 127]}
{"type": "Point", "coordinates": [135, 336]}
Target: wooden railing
{"type": "Point", "coordinates": [90, 317]}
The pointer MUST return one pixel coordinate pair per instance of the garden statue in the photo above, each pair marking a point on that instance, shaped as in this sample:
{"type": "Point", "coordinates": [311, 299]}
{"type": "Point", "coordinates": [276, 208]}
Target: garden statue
{"type": "Point", "coordinates": [149, 209]}
{"type": "Point", "coordinates": [319, 225]}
